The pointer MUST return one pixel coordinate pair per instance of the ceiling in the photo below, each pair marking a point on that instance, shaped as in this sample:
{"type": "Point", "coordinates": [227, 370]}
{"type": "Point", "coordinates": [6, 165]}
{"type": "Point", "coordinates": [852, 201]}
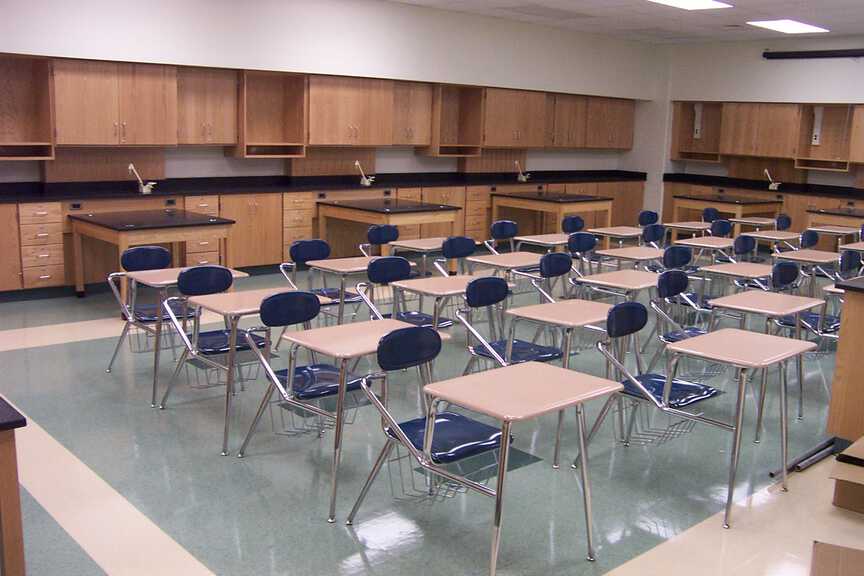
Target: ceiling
{"type": "Point", "coordinates": [646, 21]}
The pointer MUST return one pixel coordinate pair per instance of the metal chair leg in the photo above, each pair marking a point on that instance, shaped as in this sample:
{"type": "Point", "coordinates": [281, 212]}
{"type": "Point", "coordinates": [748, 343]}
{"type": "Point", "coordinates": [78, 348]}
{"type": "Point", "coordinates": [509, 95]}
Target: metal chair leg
{"type": "Point", "coordinates": [265, 400]}
{"type": "Point", "coordinates": [120, 341]}
{"type": "Point", "coordinates": [180, 364]}
{"type": "Point", "coordinates": [376, 468]}
{"type": "Point", "coordinates": [555, 459]}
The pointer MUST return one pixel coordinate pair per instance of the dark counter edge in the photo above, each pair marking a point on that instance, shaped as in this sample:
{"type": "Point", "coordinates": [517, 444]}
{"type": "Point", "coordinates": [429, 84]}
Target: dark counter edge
{"type": "Point", "coordinates": [848, 192]}
{"type": "Point", "coordinates": [10, 418]}
{"type": "Point", "coordinates": [60, 191]}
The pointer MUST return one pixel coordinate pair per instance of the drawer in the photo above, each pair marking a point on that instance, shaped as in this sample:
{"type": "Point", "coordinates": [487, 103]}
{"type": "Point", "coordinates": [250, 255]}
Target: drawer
{"type": "Point", "coordinates": [478, 194]}
{"type": "Point", "coordinates": [290, 235]}
{"type": "Point", "coordinates": [299, 201]}
{"type": "Point", "coordinates": [33, 234]}
{"type": "Point", "coordinates": [409, 194]}
{"type": "Point", "coordinates": [479, 234]}
{"type": "Point", "coordinates": [38, 213]}
{"type": "Point", "coordinates": [476, 220]}
{"type": "Point", "coordinates": [44, 276]}
{"type": "Point", "coordinates": [411, 232]}
{"type": "Point", "coordinates": [202, 258]}
{"type": "Point", "coordinates": [298, 218]}
{"type": "Point", "coordinates": [46, 255]}
{"type": "Point", "coordinates": [474, 209]}
{"type": "Point", "coordinates": [202, 204]}
{"type": "Point", "coordinates": [202, 245]}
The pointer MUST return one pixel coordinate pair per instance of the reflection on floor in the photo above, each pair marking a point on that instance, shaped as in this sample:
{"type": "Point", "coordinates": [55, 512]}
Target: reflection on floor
{"type": "Point", "coordinates": [265, 514]}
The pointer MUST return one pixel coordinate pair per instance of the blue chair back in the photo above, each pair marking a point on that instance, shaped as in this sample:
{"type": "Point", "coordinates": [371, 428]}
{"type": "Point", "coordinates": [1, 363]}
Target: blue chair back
{"type": "Point", "coordinates": [388, 269]}
{"type": "Point", "coordinates": [380, 234]}
{"type": "Point", "coordinates": [458, 247]}
{"type": "Point", "coordinates": [486, 291]}
{"type": "Point", "coordinates": [783, 274]}
{"type": "Point", "coordinates": [555, 264]}
{"type": "Point", "coordinates": [850, 261]}
{"type": "Point", "coordinates": [504, 230]}
{"type": "Point", "coordinates": [581, 242]}
{"type": "Point", "coordinates": [572, 223]}
{"type": "Point", "coordinates": [626, 318]}
{"type": "Point", "coordinates": [672, 283]}
{"type": "Point", "coordinates": [142, 258]}
{"type": "Point", "coordinates": [710, 214]}
{"type": "Point", "coordinates": [648, 217]}
{"type": "Point", "coordinates": [744, 245]}
{"type": "Point", "coordinates": [408, 347]}
{"type": "Point", "coordinates": [784, 222]}
{"type": "Point", "coordinates": [289, 308]}
{"type": "Point", "coordinates": [303, 251]}
{"type": "Point", "coordinates": [721, 228]}
{"type": "Point", "coordinates": [809, 238]}
{"type": "Point", "coordinates": [653, 233]}
{"type": "Point", "coordinates": [203, 280]}
{"type": "Point", "coordinates": [677, 256]}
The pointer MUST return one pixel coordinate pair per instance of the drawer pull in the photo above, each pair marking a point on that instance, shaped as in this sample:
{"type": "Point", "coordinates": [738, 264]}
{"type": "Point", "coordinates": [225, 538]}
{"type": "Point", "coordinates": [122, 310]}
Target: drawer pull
{"type": "Point", "coordinates": [203, 205]}
{"type": "Point", "coordinates": [203, 262]}
{"type": "Point", "coordinates": [40, 213]}
{"type": "Point", "coordinates": [42, 235]}
{"type": "Point", "coordinates": [204, 243]}
{"type": "Point", "coordinates": [43, 256]}
{"type": "Point", "coordinates": [45, 277]}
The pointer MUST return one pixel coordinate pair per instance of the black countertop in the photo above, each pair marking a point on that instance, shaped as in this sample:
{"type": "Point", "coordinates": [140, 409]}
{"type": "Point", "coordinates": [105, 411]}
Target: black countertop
{"type": "Point", "coordinates": [10, 418]}
{"type": "Point", "coordinates": [149, 219]}
{"type": "Point", "coordinates": [556, 197]}
{"type": "Point", "coordinates": [727, 199]}
{"type": "Point", "coordinates": [852, 285]}
{"type": "Point", "coordinates": [850, 212]}
{"type": "Point", "coordinates": [390, 206]}
{"type": "Point", "coordinates": [745, 184]}
{"type": "Point", "coordinates": [53, 192]}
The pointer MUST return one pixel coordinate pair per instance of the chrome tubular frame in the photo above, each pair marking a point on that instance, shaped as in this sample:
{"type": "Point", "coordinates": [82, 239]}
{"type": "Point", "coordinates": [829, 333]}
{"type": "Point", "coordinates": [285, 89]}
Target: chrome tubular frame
{"type": "Point", "coordinates": [361, 289]}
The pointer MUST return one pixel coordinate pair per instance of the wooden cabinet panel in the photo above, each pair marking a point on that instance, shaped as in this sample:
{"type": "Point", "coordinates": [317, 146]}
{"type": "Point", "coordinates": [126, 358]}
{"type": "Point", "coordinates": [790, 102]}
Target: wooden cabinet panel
{"type": "Point", "coordinates": [569, 121]}
{"type": "Point", "coordinates": [609, 123]}
{"type": "Point", "coordinates": [778, 130]}
{"type": "Point", "coordinates": [202, 204]}
{"type": "Point", "coordinates": [856, 145]}
{"type": "Point", "coordinates": [412, 113]}
{"type": "Point", "coordinates": [26, 101]}
{"type": "Point", "coordinates": [350, 111]}
{"type": "Point", "coordinates": [206, 106]}
{"type": "Point", "coordinates": [87, 102]}
{"type": "Point", "coordinates": [739, 129]}
{"type": "Point", "coordinates": [514, 118]}
{"type": "Point", "coordinates": [39, 212]}
{"type": "Point", "coordinates": [10, 259]}
{"type": "Point", "coordinates": [451, 196]}
{"type": "Point", "coordinates": [256, 237]}
{"type": "Point", "coordinates": [44, 276]}
{"type": "Point", "coordinates": [148, 104]}
{"type": "Point", "coordinates": [415, 194]}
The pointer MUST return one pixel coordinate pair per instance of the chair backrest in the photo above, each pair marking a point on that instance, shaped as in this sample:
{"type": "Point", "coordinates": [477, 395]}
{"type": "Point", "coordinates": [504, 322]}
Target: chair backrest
{"type": "Point", "coordinates": [555, 264]}
{"type": "Point", "coordinates": [672, 283]}
{"type": "Point", "coordinates": [572, 223]}
{"type": "Point", "coordinates": [784, 274]}
{"type": "Point", "coordinates": [504, 230]}
{"type": "Point", "coordinates": [408, 347]}
{"type": "Point", "coordinates": [581, 242]}
{"type": "Point", "coordinates": [850, 263]}
{"type": "Point", "coordinates": [380, 234]}
{"type": "Point", "coordinates": [142, 258]}
{"type": "Point", "coordinates": [809, 238]}
{"type": "Point", "coordinates": [289, 308]}
{"type": "Point", "coordinates": [648, 217]}
{"type": "Point", "coordinates": [721, 228]}
{"type": "Point", "coordinates": [783, 222]}
{"type": "Point", "coordinates": [710, 214]}
{"type": "Point", "coordinates": [458, 247]}
{"type": "Point", "coordinates": [677, 256]}
{"type": "Point", "coordinates": [202, 280]}
{"type": "Point", "coordinates": [388, 269]}
{"type": "Point", "coordinates": [303, 251]}
{"type": "Point", "coordinates": [486, 291]}
{"type": "Point", "coordinates": [626, 318]}
{"type": "Point", "coordinates": [653, 233]}
{"type": "Point", "coordinates": [744, 245]}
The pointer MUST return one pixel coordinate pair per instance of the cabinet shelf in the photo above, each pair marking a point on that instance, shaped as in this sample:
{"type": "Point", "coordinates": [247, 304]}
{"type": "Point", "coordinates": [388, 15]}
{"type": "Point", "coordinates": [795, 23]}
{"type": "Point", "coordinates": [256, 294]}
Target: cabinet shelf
{"type": "Point", "coordinates": [26, 151]}
{"type": "Point", "coordinates": [459, 151]}
{"type": "Point", "coordinates": [272, 115]}
{"type": "Point", "coordinates": [696, 131]}
{"type": "Point", "coordinates": [712, 157]}
{"type": "Point", "coordinates": [831, 123]}
{"type": "Point", "coordinates": [457, 121]}
{"type": "Point", "coordinates": [274, 150]}
{"type": "Point", "coordinates": [26, 109]}
{"type": "Point", "coordinates": [822, 164]}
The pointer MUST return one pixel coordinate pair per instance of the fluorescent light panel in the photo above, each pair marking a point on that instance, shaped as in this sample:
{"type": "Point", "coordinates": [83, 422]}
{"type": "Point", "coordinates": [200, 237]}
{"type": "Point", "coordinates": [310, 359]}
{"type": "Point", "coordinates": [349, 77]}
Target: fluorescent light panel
{"type": "Point", "coordinates": [693, 4]}
{"type": "Point", "coordinates": [788, 26]}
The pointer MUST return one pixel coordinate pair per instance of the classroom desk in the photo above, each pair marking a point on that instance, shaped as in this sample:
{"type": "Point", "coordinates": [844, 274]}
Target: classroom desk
{"type": "Point", "coordinates": [854, 246]}
{"type": "Point", "coordinates": [808, 257]}
{"type": "Point", "coordinates": [735, 206]}
{"type": "Point", "coordinates": [838, 222]}
{"type": "Point", "coordinates": [232, 306]}
{"type": "Point", "coordinates": [745, 351]}
{"type": "Point", "coordinates": [161, 280]}
{"type": "Point", "coordinates": [688, 226]}
{"type": "Point", "coordinates": [344, 343]}
{"type": "Point", "coordinates": [502, 394]}
{"type": "Point", "coordinates": [635, 254]}
{"type": "Point", "coordinates": [735, 271]}
{"type": "Point", "coordinates": [620, 233]}
{"type": "Point", "coordinates": [11, 535]}
{"type": "Point", "coordinates": [125, 229]}
{"type": "Point", "coordinates": [548, 241]}
{"type": "Point", "coordinates": [628, 282]}
{"type": "Point", "coordinates": [712, 243]}
{"type": "Point", "coordinates": [558, 205]}
{"type": "Point", "coordinates": [845, 410]}
{"type": "Point", "coordinates": [756, 222]}
{"type": "Point", "coordinates": [507, 261]}
{"type": "Point", "coordinates": [775, 237]}
{"type": "Point", "coordinates": [441, 288]}
{"type": "Point", "coordinates": [422, 246]}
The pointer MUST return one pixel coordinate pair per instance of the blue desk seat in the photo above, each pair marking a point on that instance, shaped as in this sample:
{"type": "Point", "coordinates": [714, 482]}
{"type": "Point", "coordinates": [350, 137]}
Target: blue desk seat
{"type": "Point", "coordinates": [216, 342]}
{"type": "Point", "coordinates": [418, 318]}
{"type": "Point", "coordinates": [147, 313]}
{"type": "Point", "coordinates": [682, 394]}
{"type": "Point", "coordinates": [456, 436]}
{"type": "Point", "coordinates": [682, 334]}
{"type": "Point", "coordinates": [317, 381]}
{"type": "Point", "coordinates": [830, 323]}
{"type": "Point", "coordinates": [523, 351]}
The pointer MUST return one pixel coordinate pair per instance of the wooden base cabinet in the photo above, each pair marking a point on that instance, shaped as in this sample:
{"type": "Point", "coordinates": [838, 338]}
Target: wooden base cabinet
{"type": "Point", "coordinates": [10, 259]}
{"type": "Point", "coordinates": [42, 255]}
{"type": "Point", "coordinates": [451, 196]}
{"type": "Point", "coordinates": [298, 219]}
{"type": "Point", "coordinates": [255, 238]}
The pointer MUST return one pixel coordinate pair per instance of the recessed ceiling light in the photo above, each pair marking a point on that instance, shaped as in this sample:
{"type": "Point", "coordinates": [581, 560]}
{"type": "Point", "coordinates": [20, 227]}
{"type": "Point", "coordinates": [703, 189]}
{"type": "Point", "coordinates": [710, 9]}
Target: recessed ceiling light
{"type": "Point", "coordinates": [693, 4]}
{"type": "Point", "coordinates": [788, 26]}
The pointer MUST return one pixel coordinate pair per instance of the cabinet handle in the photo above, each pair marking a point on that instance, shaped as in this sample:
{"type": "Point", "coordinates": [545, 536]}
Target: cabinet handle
{"type": "Point", "coordinates": [203, 205]}
{"type": "Point", "coordinates": [45, 277]}
{"type": "Point", "coordinates": [43, 255]}
{"type": "Point", "coordinates": [210, 131]}
{"type": "Point", "coordinates": [42, 235]}
{"type": "Point", "coordinates": [123, 131]}
{"type": "Point", "coordinates": [200, 262]}
{"type": "Point", "coordinates": [40, 213]}
{"type": "Point", "coordinates": [115, 128]}
{"type": "Point", "coordinates": [204, 243]}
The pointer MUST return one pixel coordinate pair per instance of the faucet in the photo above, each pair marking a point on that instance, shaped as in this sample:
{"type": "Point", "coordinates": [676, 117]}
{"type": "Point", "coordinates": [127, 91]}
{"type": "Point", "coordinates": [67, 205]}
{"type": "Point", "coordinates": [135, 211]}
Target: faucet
{"type": "Point", "coordinates": [364, 180]}
{"type": "Point", "coordinates": [521, 177]}
{"type": "Point", "coordinates": [773, 186]}
{"type": "Point", "coordinates": [142, 187]}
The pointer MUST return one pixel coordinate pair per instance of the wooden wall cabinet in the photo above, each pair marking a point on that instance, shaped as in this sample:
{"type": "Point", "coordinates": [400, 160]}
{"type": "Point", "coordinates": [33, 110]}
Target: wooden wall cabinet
{"type": "Point", "coordinates": [272, 115]}
{"type": "Point", "coordinates": [566, 120]}
{"type": "Point", "coordinates": [346, 111]}
{"type": "Point", "coordinates": [26, 109]}
{"type": "Point", "coordinates": [755, 129]}
{"type": "Point", "coordinates": [256, 238]}
{"type": "Point", "coordinates": [457, 121]}
{"type": "Point", "coordinates": [412, 114]}
{"type": "Point", "coordinates": [831, 151]}
{"type": "Point", "coordinates": [610, 123]}
{"type": "Point", "coordinates": [206, 106]}
{"type": "Point", "coordinates": [856, 140]}
{"type": "Point", "coordinates": [514, 118]}
{"type": "Point", "coordinates": [110, 103]}
{"type": "Point", "coordinates": [696, 130]}
{"type": "Point", "coordinates": [10, 260]}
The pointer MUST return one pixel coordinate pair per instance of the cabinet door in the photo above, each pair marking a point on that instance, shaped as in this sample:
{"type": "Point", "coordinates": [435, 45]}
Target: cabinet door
{"type": "Point", "coordinates": [451, 196]}
{"type": "Point", "coordinates": [10, 260]}
{"type": "Point", "coordinates": [532, 119]}
{"type": "Point", "coordinates": [609, 123]}
{"type": "Point", "coordinates": [856, 145]}
{"type": "Point", "coordinates": [502, 117]}
{"type": "Point", "coordinates": [739, 127]}
{"type": "Point", "coordinates": [570, 117]}
{"type": "Point", "coordinates": [148, 104]}
{"type": "Point", "coordinates": [255, 239]}
{"type": "Point", "coordinates": [412, 113]}
{"type": "Point", "coordinates": [350, 111]}
{"type": "Point", "coordinates": [206, 106]}
{"type": "Point", "coordinates": [374, 117]}
{"type": "Point", "coordinates": [778, 132]}
{"type": "Point", "coordinates": [86, 102]}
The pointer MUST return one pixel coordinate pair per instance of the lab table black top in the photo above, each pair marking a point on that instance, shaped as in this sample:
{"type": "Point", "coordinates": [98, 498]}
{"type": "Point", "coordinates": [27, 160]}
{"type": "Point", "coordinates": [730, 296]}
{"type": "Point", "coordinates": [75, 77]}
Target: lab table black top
{"type": "Point", "coordinates": [10, 418]}
{"type": "Point", "coordinates": [850, 212]}
{"type": "Point", "coordinates": [149, 219]}
{"type": "Point", "coordinates": [556, 197]}
{"type": "Point", "coordinates": [726, 199]}
{"type": "Point", "coordinates": [390, 206]}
